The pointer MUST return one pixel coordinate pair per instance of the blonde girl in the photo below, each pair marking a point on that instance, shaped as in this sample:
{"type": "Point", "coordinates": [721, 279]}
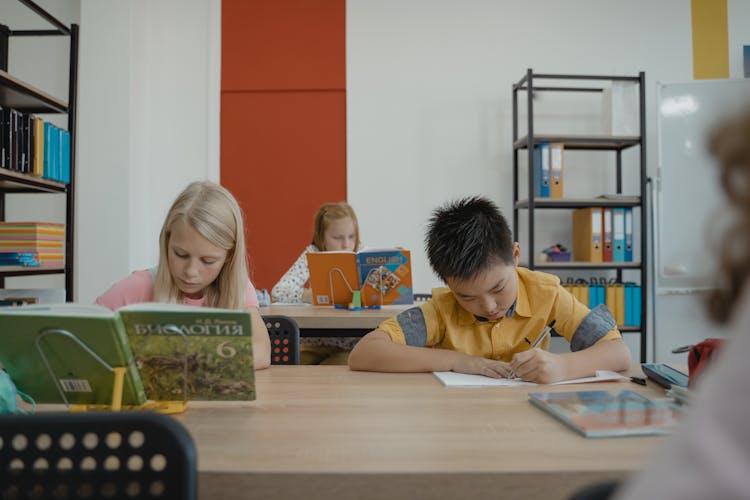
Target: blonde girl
{"type": "Point", "coordinates": [202, 262]}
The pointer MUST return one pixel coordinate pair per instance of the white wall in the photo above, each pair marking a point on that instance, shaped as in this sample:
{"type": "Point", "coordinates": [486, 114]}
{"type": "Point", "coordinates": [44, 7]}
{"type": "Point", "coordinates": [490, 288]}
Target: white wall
{"type": "Point", "coordinates": [429, 103]}
{"type": "Point", "coordinates": [148, 125]}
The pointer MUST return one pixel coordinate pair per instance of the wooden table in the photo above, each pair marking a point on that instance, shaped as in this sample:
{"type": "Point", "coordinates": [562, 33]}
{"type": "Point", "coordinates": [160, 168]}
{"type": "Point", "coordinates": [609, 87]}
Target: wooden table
{"type": "Point", "coordinates": [321, 321]}
{"type": "Point", "coordinates": [320, 432]}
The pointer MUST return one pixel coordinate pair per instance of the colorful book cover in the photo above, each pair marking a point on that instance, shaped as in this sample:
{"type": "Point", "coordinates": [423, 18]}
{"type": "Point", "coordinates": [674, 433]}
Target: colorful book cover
{"type": "Point", "coordinates": [207, 352]}
{"type": "Point", "coordinates": [598, 414]}
{"type": "Point", "coordinates": [67, 348]}
{"type": "Point", "coordinates": [385, 276]}
{"type": "Point", "coordinates": [376, 273]}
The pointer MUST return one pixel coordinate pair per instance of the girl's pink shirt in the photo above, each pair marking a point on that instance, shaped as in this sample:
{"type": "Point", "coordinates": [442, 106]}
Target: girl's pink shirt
{"type": "Point", "coordinates": [139, 287]}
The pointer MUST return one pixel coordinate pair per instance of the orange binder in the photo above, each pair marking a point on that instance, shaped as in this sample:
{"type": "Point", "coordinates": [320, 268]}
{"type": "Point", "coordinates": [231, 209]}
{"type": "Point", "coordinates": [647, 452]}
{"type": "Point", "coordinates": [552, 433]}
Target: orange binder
{"type": "Point", "coordinates": [607, 225]}
{"type": "Point", "coordinates": [587, 234]}
{"type": "Point", "coordinates": [556, 169]}
{"type": "Point", "coordinates": [610, 299]}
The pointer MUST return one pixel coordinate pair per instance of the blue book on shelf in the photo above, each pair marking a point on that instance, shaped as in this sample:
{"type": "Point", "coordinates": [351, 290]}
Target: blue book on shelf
{"type": "Point", "coordinates": [65, 157]}
{"type": "Point", "coordinates": [593, 296]}
{"type": "Point", "coordinates": [47, 151]}
{"type": "Point", "coordinates": [629, 304]}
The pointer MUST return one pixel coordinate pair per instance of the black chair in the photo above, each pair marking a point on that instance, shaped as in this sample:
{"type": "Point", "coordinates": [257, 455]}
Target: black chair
{"type": "Point", "coordinates": [111, 455]}
{"type": "Point", "coordinates": [597, 491]}
{"type": "Point", "coordinates": [284, 334]}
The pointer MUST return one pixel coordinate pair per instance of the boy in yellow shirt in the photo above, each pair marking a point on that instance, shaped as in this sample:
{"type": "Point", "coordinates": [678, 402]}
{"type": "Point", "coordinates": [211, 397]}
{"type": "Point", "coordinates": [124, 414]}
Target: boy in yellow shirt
{"type": "Point", "coordinates": [492, 312]}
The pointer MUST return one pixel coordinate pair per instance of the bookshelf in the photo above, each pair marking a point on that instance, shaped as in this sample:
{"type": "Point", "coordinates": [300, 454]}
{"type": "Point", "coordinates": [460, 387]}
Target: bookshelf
{"type": "Point", "coordinates": [21, 96]}
{"type": "Point", "coordinates": [532, 83]}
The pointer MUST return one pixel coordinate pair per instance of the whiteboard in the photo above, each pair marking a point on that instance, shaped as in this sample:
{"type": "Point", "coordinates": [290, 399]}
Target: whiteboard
{"type": "Point", "coordinates": [688, 196]}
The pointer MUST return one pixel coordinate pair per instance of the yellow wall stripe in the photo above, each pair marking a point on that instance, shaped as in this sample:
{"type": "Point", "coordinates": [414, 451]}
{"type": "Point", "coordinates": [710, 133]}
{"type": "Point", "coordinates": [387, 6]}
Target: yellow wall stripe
{"type": "Point", "coordinates": [710, 39]}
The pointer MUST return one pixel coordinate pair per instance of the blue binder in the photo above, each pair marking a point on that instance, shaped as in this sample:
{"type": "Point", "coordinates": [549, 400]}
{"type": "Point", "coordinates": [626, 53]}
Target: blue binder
{"type": "Point", "coordinates": [629, 304]}
{"type": "Point", "coordinates": [629, 234]}
{"type": "Point", "coordinates": [618, 234]}
{"type": "Point", "coordinates": [541, 171]}
{"type": "Point", "coordinates": [544, 148]}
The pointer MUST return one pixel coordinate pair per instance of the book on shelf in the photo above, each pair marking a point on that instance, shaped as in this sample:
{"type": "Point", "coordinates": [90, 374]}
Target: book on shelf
{"type": "Point", "coordinates": [599, 414]}
{"type": "Point", "coordinates": [32, 244]}
{"type": "Point", "coordinates": [382, 275]}
{"type": "Point", "coordinates": [14, 297]}
{"type": "Point", "coordinates": [170, 351]}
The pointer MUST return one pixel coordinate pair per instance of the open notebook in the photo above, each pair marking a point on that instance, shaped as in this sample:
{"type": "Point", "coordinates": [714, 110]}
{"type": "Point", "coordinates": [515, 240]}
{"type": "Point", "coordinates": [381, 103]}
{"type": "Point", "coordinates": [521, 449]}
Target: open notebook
{"type": "Point", "coordinates": [453, 379]}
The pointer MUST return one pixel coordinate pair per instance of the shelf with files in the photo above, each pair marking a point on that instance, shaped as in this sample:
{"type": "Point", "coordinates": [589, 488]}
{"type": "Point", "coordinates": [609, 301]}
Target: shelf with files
{"type": "Point", "coordinates": [531, 141]}
{"type": "Point", "coordinates": [23, 97]}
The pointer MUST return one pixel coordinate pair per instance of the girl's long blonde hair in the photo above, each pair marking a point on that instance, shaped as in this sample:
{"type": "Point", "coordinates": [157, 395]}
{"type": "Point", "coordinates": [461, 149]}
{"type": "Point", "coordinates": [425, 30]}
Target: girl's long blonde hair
{"type": "Point", "coordinates": [214, 213]}
{"type": "Point", "coordinates": [328, 213]}
{"type": "Point", "coordinates": [730, 145]}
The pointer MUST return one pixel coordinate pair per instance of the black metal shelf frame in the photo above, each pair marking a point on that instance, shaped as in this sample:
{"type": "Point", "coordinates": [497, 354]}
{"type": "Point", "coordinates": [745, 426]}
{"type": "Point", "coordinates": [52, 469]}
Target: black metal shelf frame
{"type": "Point", "coordinates": [29, 99]}
{"type": "Point", "coordinates": [613, 143]}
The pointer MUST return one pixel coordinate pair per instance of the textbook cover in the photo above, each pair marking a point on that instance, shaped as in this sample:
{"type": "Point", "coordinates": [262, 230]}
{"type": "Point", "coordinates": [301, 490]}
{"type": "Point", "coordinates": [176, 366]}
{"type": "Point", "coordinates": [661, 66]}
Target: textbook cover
{"type": "Point", "coordinates": [69, 344]}
{"type": "Point", "coordinates": [597, 414]}
{"type": "Point", "coordinates": [205, 351]}
{"type": "Point", "coordinates": [382, 275]}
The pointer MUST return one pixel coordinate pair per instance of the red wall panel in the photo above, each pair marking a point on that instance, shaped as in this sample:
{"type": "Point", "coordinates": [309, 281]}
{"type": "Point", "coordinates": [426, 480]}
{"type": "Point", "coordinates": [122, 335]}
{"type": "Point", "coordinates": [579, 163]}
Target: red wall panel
{"type": "Point", "coordinates": [283, 155]}
{"type": "Point", "coordinates": [283, 121]}
{"type": "Point", "coordinates": [283, 44]}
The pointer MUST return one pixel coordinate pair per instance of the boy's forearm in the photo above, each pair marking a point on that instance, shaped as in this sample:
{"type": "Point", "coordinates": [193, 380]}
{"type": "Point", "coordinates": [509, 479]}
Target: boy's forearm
{"type": "Point", "coordinates": [377, 352]}
{"type": "Point", "coordinates": [611, 355]}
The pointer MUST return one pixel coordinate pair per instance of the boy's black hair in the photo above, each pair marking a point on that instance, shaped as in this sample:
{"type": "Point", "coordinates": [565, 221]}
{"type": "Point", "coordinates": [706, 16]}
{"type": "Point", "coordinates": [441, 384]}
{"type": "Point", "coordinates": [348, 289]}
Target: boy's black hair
{"type": "Point", "coordinates": [465, 236]}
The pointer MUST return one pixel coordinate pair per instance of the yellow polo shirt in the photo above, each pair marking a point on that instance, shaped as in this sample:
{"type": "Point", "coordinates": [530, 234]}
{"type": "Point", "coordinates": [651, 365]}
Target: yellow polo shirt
{"type": "Point", "coordinates": [442, 322]}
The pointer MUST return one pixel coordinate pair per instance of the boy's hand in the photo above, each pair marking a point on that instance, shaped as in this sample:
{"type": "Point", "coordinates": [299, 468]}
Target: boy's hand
{"type": "Point", "coordinates": [537, 365]}
{"type": "Point", "coordinates": [476, 365]}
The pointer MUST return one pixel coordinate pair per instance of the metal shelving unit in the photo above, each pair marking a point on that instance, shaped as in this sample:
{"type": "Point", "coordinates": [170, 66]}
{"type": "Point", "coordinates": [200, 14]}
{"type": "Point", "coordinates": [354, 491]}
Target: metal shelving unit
{"type": "Point", "coordinates": [616, 144]}
{"type": "Point", "coordinates": [17, 94]}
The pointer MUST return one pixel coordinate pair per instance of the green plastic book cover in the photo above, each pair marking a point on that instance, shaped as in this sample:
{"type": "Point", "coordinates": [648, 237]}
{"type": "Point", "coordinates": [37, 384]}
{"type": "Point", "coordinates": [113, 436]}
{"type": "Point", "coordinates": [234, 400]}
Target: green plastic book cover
{"type": "Point", "coordinates": [204, 352]}
{"type": "Point", "coordinates": [78, 343]}
{"type": "Point", "coordinates": [606, 414]}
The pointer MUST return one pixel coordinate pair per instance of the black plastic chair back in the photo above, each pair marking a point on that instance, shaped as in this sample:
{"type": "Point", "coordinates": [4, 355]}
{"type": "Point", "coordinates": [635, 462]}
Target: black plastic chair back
{"type": "Point", "coordinates": [284, 334]}
{"type": "Point", "coordinates": [96, 455]}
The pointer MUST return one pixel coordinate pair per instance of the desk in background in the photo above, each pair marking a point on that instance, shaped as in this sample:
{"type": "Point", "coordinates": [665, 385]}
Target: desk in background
{"type": "Point", "coordinates": [320, 432]}
{"type": "Point", "coordinates": [320, 321]}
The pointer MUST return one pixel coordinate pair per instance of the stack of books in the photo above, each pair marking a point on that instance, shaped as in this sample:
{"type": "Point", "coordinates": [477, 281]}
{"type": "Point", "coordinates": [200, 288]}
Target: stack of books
{"type": "Point", "coordinates": [30, 145]}
{"type": "Point", "coordinates": [39, 244]}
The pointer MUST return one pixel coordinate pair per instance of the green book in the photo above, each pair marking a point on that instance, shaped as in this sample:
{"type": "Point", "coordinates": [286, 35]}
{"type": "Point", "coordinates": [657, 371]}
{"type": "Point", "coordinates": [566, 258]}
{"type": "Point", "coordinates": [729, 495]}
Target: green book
{"type": "Point", "coordinates": [215, 344]}
{"type": "Point", "coordinates": [71, 337]}
{"type": "Point", "coordinates": [173, 352]}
